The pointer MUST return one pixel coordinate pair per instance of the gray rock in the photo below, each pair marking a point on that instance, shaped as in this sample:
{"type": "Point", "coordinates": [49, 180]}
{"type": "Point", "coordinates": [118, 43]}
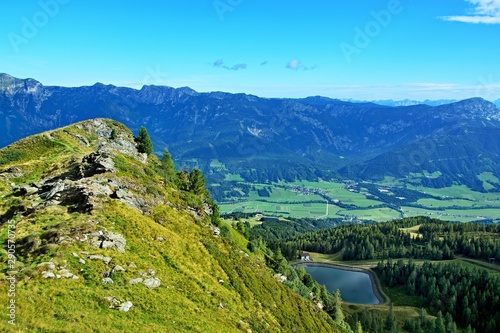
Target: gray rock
{"type": "Point", "coordinates": [107, 280]}
{"type": "Point", "coordinates": [56, 188]}
{"type": "Point", "coordinates": [106, 244]}
{"type": "Point", "coordinates": [83, 139]}
{"type": "Point", "coordinates": [105, 260]}
{"type": "Point", "coordinates": [82, 261]}
{"type": "Point", "coordinates": [49, 266]}
{"type": "Point", "coordinates": [48, 275]}
{"type": "Point", "coordinates": [150, 271]}
{"type": "Point", "coordinates": [114, 240]}
{"type": "Point", "coordinates": [67, 275]}
{"type": "Point", "coordinates": [130, 199]}
{"type": "Point", "coordinates": [152, 283]}
{"type": "Point", "coordinates": [135, 281]}
{"type": "Point", "coordinates": [28, 190]}
{"type": "Point", "coordinates": [132, 265]}
{"type": "Point", "coordinates": [117, 268]}
{"type": "Point", "coordinates": [95, 257]}
{"type": "Point", "coordinates": [95, 163]}
{"type": "Point", "coordinates": [124, 307]}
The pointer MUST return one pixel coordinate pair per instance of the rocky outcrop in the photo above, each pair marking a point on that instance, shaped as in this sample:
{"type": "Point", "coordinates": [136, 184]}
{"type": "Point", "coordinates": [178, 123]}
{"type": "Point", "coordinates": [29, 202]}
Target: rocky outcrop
{"type": "Point", "coordinates": [48, 270]}
{"type": "Point", "coordinates": [104, 239]}
{"type": "Point", "coordinates": [95, 163]}
{"type": "Point", "coordinates": [130, 199]}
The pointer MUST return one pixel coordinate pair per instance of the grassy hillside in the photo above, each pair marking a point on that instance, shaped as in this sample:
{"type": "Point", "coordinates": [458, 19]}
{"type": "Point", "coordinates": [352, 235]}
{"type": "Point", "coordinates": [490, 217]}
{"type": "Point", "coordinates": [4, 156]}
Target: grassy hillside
{"type": "Point", "coordinates": [91, 224]}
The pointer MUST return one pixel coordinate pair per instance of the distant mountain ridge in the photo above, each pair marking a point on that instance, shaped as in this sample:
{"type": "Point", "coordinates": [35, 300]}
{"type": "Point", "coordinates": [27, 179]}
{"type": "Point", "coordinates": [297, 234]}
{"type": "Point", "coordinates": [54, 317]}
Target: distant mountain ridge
{"type": "Point", "coordinates": [261, 139]}
{"type": "Point", "coordinates": [407, 102]}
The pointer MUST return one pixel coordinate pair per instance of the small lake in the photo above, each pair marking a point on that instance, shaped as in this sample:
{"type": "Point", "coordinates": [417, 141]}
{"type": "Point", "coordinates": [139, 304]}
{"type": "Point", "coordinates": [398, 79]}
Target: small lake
{"type": "Point", "coordinates": [355, 287]}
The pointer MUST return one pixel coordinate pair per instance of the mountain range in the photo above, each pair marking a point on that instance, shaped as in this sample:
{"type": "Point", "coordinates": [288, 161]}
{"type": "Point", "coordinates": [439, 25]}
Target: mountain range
{"type": "Point", "coordinates": [269, 139]}
{"type": "Point", "coordinates": [407, 102]}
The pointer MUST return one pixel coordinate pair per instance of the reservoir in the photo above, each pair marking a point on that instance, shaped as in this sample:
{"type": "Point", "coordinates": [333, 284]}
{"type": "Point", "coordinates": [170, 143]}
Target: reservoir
{"type": "Point", "coordinates": [355, 286]}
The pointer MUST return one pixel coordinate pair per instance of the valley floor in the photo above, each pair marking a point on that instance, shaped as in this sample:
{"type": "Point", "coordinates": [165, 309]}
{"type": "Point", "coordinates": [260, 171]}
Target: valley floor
{"type": "Point", "coordinates": [352, 201]}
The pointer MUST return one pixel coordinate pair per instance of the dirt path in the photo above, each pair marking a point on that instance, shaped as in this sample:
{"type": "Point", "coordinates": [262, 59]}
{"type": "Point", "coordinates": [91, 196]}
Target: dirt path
{"type": "Point", "coordinates": [479, 263]}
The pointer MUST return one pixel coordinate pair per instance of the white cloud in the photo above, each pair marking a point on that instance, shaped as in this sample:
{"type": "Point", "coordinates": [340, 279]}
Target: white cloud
{"type": "Point", "coordinates": [293, 64]}
{"type": "Point", "coordinates": [220, 64]}
{"type": "Point", "coordinates": [484, 11]}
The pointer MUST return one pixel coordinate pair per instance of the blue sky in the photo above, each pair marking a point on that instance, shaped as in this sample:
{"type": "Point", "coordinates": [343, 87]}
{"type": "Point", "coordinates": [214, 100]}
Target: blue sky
{"type": "Point", "coordinates": [367, 50]}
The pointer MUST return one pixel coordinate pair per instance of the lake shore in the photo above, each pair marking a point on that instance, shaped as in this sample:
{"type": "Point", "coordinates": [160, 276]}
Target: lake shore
{"type": "Point", "coordinates": [374, 280]}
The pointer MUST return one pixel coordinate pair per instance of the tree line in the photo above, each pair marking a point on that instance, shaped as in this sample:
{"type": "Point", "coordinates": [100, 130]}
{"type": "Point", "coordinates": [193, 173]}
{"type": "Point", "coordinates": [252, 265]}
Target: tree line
{"type": "Point", "coordinates": [433, 240]}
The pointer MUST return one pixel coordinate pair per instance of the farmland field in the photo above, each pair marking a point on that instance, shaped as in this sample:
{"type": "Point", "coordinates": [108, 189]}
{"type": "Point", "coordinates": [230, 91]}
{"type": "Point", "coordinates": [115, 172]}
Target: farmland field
{"type": "Point", "coordinates": [366, 201]}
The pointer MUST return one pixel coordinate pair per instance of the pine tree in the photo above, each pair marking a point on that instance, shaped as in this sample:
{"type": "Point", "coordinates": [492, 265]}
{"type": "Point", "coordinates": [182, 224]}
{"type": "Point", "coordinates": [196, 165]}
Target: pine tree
{"type": "Point", "coordinates": [144, 144]}
{"type": "Point", "coordinates": [359, 328]}
{"type": "Point", "coordinates": [167, 166]}
{"type": "Point", "coordinates": [440, 328]}
{"type": "Point", "coordinates": [338, 314]}
{"type": "Point", "coordinates": [280, 264]}
{"type": "Point", "coordinates": [389, 320]}
{"type": "Point", "coordinates": [196, 182]}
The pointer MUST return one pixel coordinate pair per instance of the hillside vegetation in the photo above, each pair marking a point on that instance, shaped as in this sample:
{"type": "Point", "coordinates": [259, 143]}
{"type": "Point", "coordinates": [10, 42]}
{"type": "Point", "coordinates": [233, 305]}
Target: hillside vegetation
{"type": "Point", "coordinates": [97, 237]}
{"type": "Point", "coordinates": [460, 286]}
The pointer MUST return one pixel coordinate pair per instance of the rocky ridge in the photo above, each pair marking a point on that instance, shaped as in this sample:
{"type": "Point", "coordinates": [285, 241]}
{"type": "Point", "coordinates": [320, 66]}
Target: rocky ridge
{"type": "Point", "coordinates": [102, 236]}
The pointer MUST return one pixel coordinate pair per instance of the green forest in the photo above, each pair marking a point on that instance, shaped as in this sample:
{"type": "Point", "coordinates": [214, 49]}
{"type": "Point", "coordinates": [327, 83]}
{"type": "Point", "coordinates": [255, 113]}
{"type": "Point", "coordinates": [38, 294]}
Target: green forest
{"type": "Point", "coordinates": [433, 240]}
{"type": "Point", "coordinates": [417, 257]}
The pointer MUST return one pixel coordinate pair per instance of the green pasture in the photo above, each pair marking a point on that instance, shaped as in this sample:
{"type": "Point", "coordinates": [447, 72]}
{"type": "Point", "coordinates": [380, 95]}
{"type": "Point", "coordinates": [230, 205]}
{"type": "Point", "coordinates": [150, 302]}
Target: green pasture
{"type": "Point", "coordinates": [301, 199]}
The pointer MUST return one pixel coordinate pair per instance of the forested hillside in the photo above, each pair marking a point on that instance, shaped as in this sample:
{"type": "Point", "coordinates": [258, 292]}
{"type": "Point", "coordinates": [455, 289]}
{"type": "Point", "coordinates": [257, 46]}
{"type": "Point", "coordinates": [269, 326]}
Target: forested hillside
{"type": "Point", "coordinates": [418, 238]}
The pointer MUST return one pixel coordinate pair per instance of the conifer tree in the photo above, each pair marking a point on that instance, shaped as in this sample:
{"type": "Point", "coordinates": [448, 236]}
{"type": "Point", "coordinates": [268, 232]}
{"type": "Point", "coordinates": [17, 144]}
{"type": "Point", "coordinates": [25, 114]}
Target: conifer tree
{"type": "Point", "coordinates": [339, 315]}
{"type": "Point", "coordinates": [440, 328]}
{"type": "Point", "coordinates": [389, 320]}
{"type": "Point", "coordinates": [196, 182]}
{"type": "Point", "coordinates": [144, 144]}
{"type": "Point", "coordinates": [167, 165]}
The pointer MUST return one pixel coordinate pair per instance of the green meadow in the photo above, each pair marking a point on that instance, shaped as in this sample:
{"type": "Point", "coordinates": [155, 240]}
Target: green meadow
{"type": "Point", "coordinates": [368, 201]}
